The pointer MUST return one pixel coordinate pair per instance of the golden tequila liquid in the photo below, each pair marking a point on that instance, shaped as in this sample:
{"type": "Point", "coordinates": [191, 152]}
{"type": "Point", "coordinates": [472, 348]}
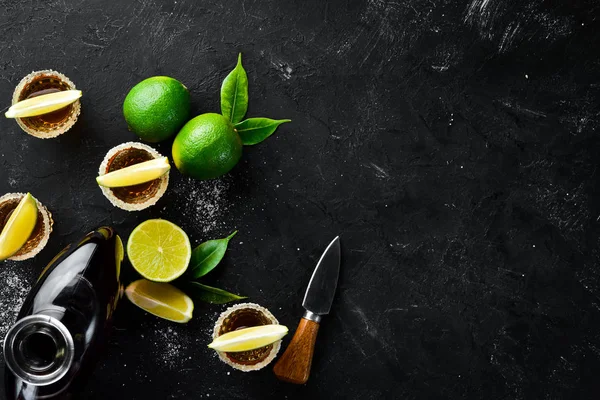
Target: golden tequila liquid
{"type": "Point", "coordinates": [136, 193]}
{"type": "Point", "coordinates": [40, 85]}
{"type": "Point", "coordinates": [7, 207]}
{"type": "Point", "coordinates": [246, 318]}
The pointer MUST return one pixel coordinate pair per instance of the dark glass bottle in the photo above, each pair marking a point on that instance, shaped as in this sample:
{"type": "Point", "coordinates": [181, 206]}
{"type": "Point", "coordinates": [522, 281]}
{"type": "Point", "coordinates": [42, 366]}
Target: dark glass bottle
{"type": "Point", "coordinates": [64, 320]}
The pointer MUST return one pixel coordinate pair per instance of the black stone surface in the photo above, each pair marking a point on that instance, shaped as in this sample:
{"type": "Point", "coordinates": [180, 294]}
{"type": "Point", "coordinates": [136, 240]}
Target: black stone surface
{"type": "Point", "coordinates": [453, 145]}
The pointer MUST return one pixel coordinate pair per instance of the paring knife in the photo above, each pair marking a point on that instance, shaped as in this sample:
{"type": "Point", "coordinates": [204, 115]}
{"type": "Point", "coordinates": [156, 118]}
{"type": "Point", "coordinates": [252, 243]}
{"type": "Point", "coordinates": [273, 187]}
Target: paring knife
{"type": "Point", "coordinates": [294, 365]}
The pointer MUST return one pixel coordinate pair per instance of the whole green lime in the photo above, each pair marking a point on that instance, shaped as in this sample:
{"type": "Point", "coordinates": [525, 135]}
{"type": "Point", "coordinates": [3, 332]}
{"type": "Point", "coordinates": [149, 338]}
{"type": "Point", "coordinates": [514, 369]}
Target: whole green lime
{"type": "Point", "coordinates": [156, 108]}
{"type": "Point", "coordinates": [207, 147]}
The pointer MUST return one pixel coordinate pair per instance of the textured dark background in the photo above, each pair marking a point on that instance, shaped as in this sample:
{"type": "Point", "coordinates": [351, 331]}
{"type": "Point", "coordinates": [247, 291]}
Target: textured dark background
{"type": "Point", "coordinates": [452, 144]}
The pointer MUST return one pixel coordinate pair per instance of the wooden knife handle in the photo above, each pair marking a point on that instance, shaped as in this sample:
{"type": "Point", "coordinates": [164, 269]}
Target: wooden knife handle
{"type": "Point", "coordinates": [294, 364]}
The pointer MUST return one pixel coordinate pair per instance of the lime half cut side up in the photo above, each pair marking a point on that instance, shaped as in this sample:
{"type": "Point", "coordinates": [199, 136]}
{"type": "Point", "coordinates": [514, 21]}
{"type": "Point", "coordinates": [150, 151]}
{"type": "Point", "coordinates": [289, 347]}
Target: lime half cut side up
{"type": "Point", "coordinates": [159, 250]}
{"type": "Point", "coordinates": [135, 174]}
{"type": "Point", "coordinates": [19, 227]}
{"type": "Point", "coordinates": [43, 104]}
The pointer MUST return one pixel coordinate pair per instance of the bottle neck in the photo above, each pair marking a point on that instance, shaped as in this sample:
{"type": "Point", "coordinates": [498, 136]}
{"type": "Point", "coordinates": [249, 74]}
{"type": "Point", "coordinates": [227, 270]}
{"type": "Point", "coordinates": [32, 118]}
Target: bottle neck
{"type": "Point", "coordinates": [39, 350]}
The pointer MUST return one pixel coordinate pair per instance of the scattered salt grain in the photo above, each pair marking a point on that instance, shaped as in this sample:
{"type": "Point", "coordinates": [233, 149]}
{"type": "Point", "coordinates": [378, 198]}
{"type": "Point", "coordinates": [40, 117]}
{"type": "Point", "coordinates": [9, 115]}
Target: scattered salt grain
{"type": "Point", "coordinates": [14, 287]}
{"type": "Point", "coordinates": [203, 202]}
{"type": "Point", "coordinates": [170, 346]}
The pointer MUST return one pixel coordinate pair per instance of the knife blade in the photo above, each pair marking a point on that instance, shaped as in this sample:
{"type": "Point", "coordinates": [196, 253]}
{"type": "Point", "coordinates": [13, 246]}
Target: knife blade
{"type": "Point", "coordinates": [294, 365]}
{"type": "Point", "coordinates": [323, 282]}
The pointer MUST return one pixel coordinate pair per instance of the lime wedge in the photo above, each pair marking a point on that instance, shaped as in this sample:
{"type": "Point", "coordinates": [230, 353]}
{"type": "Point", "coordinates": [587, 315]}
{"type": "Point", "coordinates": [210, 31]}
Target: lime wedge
{"type": "Point", "coordinates": [19, 227]}
{"type": "Point", "coordinates": [161, 299]}
{"type": "Point", "coordinates": [135, 174]}
{"type": "Point", "coordinates": [249, 338]}
{"type": "Point", "coordinates": [159, 250]}
{"type": "Point", "coordinates": [43, 104]}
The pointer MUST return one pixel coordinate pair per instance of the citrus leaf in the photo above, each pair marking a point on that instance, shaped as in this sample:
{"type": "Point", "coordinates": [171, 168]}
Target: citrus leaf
{"type": "Point", "coordinates": [208, 255]}
{"type": "Point", "coordinates": [255, 130]}
{"type": "Point", "coordinates": [213, 295]}
{"type": "Point", "coordinates": [234, 93]}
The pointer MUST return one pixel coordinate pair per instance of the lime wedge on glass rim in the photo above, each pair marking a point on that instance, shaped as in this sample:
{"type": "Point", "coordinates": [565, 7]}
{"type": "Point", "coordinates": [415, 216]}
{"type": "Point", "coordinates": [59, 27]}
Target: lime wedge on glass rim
{"type": "Point", "coordinates": [161, 299]}
{"type": "Point", "coordinates": [19, 227]}
{"type": "Point", "coordinates": [135, 174]}
{"type": "Point", "coordinates": [43, 104]}
{"type": "Point", "coordinates": [159, 250]}
{"type": "Point", "coordinates": [249, 338]}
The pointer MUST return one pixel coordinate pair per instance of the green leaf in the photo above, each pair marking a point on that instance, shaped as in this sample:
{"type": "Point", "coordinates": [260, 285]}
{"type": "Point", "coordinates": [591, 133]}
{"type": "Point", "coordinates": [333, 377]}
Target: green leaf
{"type": "Point", "coordinates": [234, 94]}
{"type": "Point", "coordinates": [208, 255]}
{"type": "Point", "coordinates": [213, 295]}
{"type": "Point", "coordinates": [255, 130]}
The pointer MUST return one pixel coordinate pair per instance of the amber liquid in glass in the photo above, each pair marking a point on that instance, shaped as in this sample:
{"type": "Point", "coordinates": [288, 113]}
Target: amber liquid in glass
{"type": "Point", "coordinates": [246, 318]}
{"type": "Point", "coordinates": [6, 210]}
{"type": "Point", "coordinates": [137, 193]}
{"type": "Point", "coordinates": [46, 84]}
{"type": "Point", "coordinates": [54, 117]}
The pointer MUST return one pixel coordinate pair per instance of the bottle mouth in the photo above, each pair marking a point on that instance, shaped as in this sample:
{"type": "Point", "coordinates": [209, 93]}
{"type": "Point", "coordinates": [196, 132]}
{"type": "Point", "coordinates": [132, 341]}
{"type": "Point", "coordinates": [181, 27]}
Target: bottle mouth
{"type": "Point", "coordinates": [39, 350]}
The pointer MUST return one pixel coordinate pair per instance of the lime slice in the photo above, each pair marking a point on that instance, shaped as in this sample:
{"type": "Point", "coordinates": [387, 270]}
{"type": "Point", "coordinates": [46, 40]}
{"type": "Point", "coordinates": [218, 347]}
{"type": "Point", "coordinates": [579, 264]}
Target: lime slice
{"type": "Point", "coordinates": [159, 250]}
{"type": "Point", "coordinates": [19, 227]}
{"type": "Point", "coordinates": [249, 338]}
{"type": "Point", "coordinates": [135, 174]}
{"type": "Point", "coordinates": [43, 104]}
{"type": "Point", "coordinates": [119, 254]}
{"type": "Point", "coordinates": [161, 299]}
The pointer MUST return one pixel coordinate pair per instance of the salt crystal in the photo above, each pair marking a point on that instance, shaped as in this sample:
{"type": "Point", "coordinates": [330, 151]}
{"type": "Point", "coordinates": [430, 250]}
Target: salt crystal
{"type": "Point", "coordinates": [170, 346]}
{"type": "Point", "coordinates": [13, 290]}
{"type": "Point", "coordinates": [204, 202]}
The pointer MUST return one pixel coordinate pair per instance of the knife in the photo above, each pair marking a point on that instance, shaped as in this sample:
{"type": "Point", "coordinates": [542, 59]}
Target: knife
{"type": "Point", "coordinates": [294, 365]}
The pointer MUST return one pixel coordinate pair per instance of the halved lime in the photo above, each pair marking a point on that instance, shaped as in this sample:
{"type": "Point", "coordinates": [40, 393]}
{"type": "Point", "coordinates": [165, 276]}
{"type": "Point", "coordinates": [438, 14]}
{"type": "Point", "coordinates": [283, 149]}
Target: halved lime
{"type": "Point", "coordinates": [135, 174]}
{"type": "Point", "coordinates": [159, 250]}
{"type": "Point", "coordinates": [249, 338]}
{"type": "Point", "coordinates": [19, 227]}
{"type": "Point", "coordinates": [43, 104]}
{"type": "Point", "coordinates": [161, 299]}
